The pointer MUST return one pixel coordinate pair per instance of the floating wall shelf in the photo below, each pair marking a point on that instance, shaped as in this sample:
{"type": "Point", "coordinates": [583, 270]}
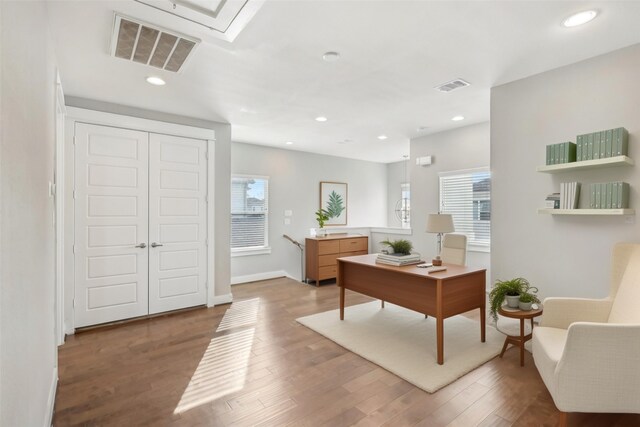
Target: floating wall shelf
{"type": "Point", "coordinates": [587, 211]}
{"type": "Point", "coordinates": [587, 164]}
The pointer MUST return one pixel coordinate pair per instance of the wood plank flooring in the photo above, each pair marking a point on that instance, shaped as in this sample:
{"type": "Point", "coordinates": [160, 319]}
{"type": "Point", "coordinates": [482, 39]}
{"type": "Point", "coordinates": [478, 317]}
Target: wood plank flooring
{"type": "Point", "coordinates": [252, 364]}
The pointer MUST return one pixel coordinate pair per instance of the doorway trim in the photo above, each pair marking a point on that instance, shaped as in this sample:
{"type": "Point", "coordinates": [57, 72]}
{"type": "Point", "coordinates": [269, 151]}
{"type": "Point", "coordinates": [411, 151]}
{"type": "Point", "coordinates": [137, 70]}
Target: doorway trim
{"type": "Point", "coordinates": [58, 192]}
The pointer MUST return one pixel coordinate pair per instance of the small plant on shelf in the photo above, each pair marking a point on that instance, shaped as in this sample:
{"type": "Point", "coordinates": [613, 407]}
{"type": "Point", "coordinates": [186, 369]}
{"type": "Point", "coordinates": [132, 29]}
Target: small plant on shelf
{"type": "Point", "coordinates": [509, 290]}
{"type": "Point", "coordinates": [402, 247]}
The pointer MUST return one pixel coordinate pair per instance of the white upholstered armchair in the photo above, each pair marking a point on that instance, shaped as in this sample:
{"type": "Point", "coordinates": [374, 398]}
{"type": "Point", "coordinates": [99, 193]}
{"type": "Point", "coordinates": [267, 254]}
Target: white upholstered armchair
{"type": "Point", "coordinates": [588, 351]}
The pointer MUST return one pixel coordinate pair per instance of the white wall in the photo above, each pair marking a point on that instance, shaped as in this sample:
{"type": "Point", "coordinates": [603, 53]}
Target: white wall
{"type": "Point", "coordinates": [569, 255]}
{"type": "Point", "coordinates": [458, 149]}
{"type": "Point", "coordinates": [295, 184]}
{"type": "Point", "coordinates": [27, 238]}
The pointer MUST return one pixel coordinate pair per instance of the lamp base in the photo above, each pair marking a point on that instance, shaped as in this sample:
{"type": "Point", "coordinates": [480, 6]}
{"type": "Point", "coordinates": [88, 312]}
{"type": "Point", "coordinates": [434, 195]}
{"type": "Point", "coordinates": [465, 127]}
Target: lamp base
{"type": "Point", "coordinates": [437, 261]}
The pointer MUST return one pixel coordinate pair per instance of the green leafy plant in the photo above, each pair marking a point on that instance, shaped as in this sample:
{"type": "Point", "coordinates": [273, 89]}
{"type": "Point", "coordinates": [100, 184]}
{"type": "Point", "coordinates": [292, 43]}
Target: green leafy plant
{"type": "Point", "coordinates": [502, 288]}
{"type": "Point", "coordinates": [335, 205]}
{"type": "Point", "coordinates": [529, 297]}
{"type": "Point", "coordinates": [322, 216]}
{"type": "Point", "coordinates": [401, 246]}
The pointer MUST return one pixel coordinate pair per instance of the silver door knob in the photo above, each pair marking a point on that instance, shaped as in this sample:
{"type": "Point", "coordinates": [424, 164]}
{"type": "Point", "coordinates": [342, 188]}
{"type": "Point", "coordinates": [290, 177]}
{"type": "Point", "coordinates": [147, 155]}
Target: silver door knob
{"type": "Point", "coordinates": [155, 245]}
{"type": "Point", "coordinates": [141, 245]}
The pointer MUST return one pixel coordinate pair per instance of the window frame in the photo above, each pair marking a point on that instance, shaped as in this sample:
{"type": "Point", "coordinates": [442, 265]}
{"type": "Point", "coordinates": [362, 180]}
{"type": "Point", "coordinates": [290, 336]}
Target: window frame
{"type": "Point", "coordinates": [251, 250]}
{"type": "Point", "coordinates": [473, 245]}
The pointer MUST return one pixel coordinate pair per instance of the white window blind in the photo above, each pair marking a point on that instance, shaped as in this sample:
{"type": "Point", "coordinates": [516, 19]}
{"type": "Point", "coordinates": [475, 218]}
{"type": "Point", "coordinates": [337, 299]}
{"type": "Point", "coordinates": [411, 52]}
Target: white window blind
{"type": "Point", "coordinates": [249, 212]}
{"type": "Point", "coordinates": [466, 195]}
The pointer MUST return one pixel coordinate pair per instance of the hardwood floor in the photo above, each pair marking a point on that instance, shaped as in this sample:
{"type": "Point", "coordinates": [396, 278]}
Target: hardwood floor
{"type": "Point", "coordinates": [251, 363]}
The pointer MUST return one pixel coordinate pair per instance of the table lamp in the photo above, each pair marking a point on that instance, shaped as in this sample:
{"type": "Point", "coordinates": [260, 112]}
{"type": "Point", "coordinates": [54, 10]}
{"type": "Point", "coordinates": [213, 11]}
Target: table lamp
{"type": "Point", "coordinates": [439, 223]}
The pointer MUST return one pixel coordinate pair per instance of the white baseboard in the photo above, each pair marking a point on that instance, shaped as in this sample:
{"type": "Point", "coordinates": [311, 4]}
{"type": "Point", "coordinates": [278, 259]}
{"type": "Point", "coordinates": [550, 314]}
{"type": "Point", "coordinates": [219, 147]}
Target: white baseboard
{"type": "Point", "coordinates": [259, 276]}
{"type": "Point", "coordinates": [221, 299]}
{"type": "Point", "coordinates": [51, 401]}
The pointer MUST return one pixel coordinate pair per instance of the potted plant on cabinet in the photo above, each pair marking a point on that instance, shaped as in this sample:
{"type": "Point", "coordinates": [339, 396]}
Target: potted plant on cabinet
{"type": "Point", "coordinates": [399, 247]}
{"type": "Point", "coordinates": [509, 290]}
{"type": "Point", "coordinates": [322, 216]}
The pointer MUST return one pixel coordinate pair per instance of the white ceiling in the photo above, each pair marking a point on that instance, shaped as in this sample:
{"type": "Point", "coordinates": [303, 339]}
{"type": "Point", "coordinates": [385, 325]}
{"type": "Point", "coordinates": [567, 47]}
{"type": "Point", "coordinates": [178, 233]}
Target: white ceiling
{"type": "Point", "coordinates": [271, 82]}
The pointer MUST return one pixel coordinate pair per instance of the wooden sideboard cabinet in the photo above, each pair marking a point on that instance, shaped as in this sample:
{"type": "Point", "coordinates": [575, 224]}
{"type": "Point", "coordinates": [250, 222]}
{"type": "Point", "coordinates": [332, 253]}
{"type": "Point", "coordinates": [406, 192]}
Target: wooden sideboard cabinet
{"type": "Point", "coordinates": [322, 253]}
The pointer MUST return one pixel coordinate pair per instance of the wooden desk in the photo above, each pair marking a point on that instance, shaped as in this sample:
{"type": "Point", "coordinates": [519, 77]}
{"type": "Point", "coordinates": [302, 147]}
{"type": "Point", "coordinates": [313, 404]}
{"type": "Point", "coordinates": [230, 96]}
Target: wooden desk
{"type": "Point", "coordinates": [441, 295]}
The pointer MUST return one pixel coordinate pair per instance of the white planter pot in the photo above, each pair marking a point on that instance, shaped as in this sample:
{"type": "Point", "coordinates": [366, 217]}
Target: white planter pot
{"type": "Point", "coordinates": [512, 301]}
{"type": "Point", "coordinates": [524, 306]}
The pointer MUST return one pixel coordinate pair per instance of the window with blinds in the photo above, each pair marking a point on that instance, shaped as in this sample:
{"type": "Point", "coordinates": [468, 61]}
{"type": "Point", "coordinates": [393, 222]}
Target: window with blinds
{"type": "Point", "coordinates": [466, 195]}
{"type": "Point", "coordinates": [249, 212]}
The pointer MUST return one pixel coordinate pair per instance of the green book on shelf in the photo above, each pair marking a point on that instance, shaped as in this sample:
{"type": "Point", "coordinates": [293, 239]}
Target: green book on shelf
{"type": "Point", "coordinates": [571, 151]}
{"type": "Point", "coordinates": [579, 148]}
{"type": "Point", "coordinates": [592, 196]}
{"type": "Point", "coordinates": [603, 196]}
{"type": "Point", "coordinates": [623, 142]}
{"type": "Point", "coordinates": [609, 195]}
{"type": "Point", "coordinates": [597, 194]}
{"type": "Point", "coordinates": [548, 156]}
{"type": "Point", "coordinates": [562, 159]}
{"type": "Point", "coordinates": [590, 146]}
{"type": "Point", "coordinates": [603, 144]}
{"type": "Point", "coordinates": [623, 195]}
{"type": "Point", "coordinates": [614, 194]}
{"type": "Point", "coordinates": [556, 153]}
{"type": "Point", "coordinates": [608, 140]}
{"type": "Point", "coordinates": [596, 145]}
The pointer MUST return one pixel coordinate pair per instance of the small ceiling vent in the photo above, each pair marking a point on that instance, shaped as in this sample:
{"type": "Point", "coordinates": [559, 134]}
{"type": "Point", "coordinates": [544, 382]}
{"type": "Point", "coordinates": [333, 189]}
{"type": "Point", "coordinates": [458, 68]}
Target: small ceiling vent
{"type": "Point", "coordinates": [452, 85]}
{"type": "Point", "coordinates": [146, 44]}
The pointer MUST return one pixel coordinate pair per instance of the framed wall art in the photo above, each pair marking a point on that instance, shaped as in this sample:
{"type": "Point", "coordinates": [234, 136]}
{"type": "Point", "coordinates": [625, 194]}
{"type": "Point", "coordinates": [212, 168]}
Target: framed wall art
{"type": "Point", "coordinates": [333, 199]}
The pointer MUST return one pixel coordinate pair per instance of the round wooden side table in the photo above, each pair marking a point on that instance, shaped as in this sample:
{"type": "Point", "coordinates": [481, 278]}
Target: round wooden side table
{"type": "Point", "coordinates": [522, 316]}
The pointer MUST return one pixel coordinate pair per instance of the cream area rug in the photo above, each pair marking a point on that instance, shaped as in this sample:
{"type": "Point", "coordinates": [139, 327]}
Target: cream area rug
{"type": "Point", "coordinates": [404, 342]}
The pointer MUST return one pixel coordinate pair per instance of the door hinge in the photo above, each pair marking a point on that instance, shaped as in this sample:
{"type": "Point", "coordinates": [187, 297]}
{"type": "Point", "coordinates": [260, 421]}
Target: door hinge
{"type": "Point", "coordinates": [74, 194]}
{"type": "Point", "coordinates": [74, 140]}
{"type": "Point", "coordinates": [73, 248]}
{"type": "Point", "coordinates": [74, 302]}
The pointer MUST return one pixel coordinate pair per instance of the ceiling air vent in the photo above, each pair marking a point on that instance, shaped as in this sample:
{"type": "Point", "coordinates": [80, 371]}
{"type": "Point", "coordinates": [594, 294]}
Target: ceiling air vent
{"type": "Point", "coordinates": [146, 44]}
{"type": "Point", "coordinates": [452, 85]}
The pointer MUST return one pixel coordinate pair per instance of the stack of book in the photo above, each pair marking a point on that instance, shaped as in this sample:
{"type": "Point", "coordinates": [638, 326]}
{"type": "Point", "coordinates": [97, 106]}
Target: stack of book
{"type": "Point", "coordinates": [569, 195]}
{"type": "Point", "coordinates": [609, 195]}
{"type": "Point", "coordinates": [398, 259]}
{"type": "Point", "coordinates": [552, 201]}
{"type": "Point", "coordinates": [602, 144]}
{"type": "Point", "coordinates": [564, 152]}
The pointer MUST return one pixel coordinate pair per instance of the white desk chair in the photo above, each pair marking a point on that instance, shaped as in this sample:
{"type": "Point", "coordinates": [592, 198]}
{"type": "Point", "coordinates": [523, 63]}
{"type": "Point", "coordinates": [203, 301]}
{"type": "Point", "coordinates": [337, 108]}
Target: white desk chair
{"type": "Point", "coordinates": [454, 249]}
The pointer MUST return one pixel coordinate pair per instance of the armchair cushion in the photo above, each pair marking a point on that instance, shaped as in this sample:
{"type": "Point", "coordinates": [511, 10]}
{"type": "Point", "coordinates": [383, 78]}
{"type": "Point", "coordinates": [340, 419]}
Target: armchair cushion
{"type": "Point", "coordinates": [562, 312]}
{"type": "Point", "coordinates": [547, 347]}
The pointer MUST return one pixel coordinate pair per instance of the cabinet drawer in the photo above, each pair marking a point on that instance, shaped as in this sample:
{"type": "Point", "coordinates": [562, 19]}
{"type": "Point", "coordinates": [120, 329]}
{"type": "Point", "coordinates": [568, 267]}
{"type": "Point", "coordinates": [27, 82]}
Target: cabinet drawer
{"type": "Point", "coordinates": [325, 260]}
{"type": "Point", "coordinates": [328, 247]}
{"type": "Point", "coordinates": [353, 253]}
{"type": "Point", "coordinates": [352, 245]}
{"type": "Point", "coordinates": [328, 272]}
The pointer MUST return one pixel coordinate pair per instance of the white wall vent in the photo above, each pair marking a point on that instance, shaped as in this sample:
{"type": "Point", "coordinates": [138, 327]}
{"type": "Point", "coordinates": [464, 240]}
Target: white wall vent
{"type": "Point", "coordinates": [452, 85]}
{"type": "Point", "coordinates": [147, 44]}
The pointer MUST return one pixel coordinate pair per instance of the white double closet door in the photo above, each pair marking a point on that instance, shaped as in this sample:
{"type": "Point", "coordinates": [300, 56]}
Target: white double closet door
{"type": "Point", "coordinates": [140, 223]}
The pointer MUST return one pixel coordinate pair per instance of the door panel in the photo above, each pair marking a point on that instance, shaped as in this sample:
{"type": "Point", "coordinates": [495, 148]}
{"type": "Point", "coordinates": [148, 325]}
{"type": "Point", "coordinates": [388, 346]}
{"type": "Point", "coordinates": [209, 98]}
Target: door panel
{"type": "Point", "coordinates": [111, 218]}
{"type": "Point", "coordinates": [177, 221]}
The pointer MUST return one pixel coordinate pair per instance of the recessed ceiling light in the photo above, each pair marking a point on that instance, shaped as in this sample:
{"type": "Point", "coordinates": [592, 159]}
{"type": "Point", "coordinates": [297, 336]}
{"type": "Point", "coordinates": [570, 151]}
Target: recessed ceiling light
{"type": "Point", "coordinates": [331, 56]}
{"type": "Point", "coordinates": [321, 119]}
{"type": "Point", "coordinates": [289, 142]}
{"type": "Point", "coordinates": [422, 128]}
{"type": "Point", "coordinates": [579, 18]}
{"type": "Point", "coordinates": [382, 137]}
{"type": "Point", "coordinates": [156, 81]}
{"type": "Point", "coordinates": [457, 118]}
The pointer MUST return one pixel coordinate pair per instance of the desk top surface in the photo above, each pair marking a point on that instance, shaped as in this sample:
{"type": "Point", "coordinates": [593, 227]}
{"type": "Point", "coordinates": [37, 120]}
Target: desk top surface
{"type": "Point", "coordinates": [451, 271]}
{"type": "Point", "coordinates": [336, 236]}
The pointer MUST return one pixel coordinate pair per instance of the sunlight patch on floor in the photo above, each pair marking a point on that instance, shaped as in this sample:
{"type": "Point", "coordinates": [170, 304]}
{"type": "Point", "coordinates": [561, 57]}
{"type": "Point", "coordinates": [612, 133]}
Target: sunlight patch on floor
{"type": "Point", "coordinates": [224, 365]}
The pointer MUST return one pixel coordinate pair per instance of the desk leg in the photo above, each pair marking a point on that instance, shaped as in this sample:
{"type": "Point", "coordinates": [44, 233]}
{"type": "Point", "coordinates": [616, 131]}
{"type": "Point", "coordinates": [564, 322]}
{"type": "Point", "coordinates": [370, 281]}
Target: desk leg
{"type": "Point", "coordinates": [382, 301]}
{"type": "Point", "coordinates": [440, 333]}
{"type": "Point", "coordinates": [341, 303]}
{"type": "Point", "coordinates": [521, 342]}
{"type": "Point", "coordinates": [483, 326]}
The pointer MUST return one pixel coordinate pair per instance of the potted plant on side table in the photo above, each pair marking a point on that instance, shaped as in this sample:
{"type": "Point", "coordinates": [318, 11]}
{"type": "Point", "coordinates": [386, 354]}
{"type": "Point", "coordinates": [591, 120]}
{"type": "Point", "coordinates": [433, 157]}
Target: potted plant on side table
{"type": "Point", "coordinates": [527, 299]}
{"type": "Point", "coordinates": [509, 290]}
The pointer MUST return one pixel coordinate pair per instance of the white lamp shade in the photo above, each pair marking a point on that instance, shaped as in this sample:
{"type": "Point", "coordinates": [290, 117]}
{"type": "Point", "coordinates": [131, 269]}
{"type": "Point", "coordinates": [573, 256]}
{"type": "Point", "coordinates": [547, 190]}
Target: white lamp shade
{"type": "Point", "coordinates": [440, 223]}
